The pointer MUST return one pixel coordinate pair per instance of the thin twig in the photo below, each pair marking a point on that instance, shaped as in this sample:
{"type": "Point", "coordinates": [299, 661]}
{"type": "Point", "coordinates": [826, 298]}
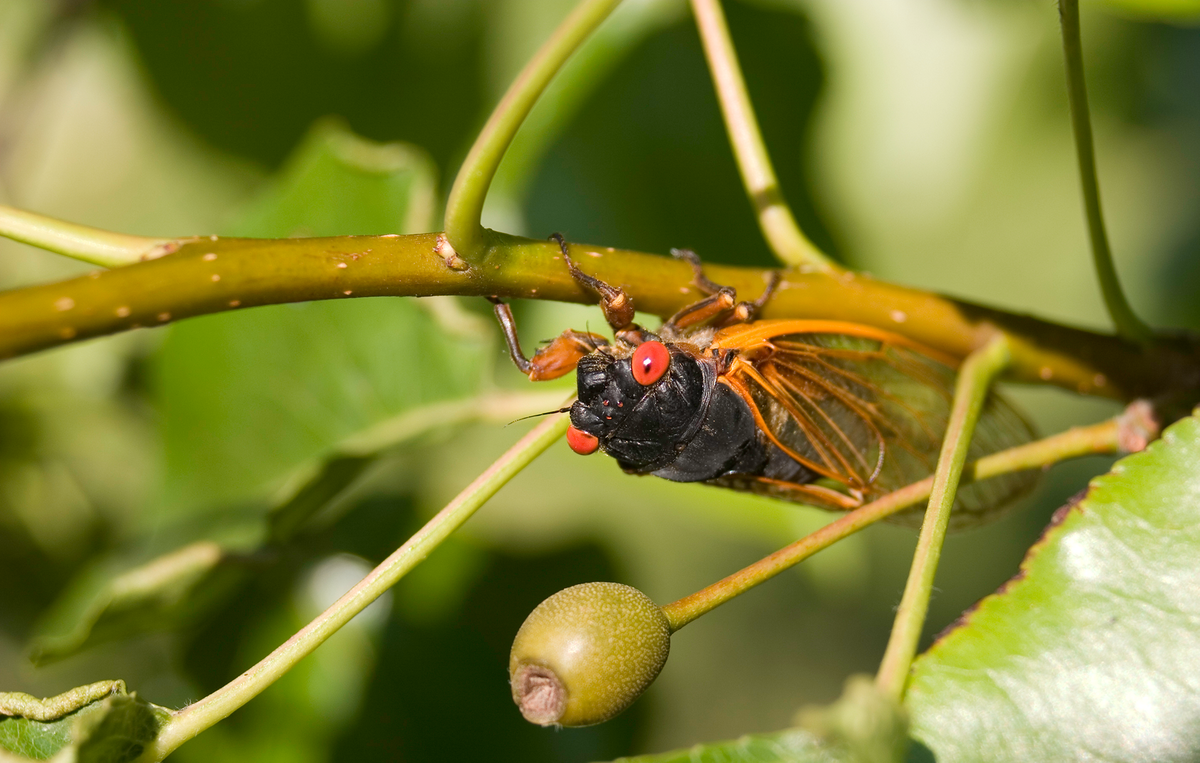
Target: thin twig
{"type": "Point", "coordinates": [974, 379]}
{"type": "Point", "coordinates": [465, 205]}
{"type": "Point", "coordinates": [1127, 323]}
{"type": "Point", "coordinates": [1104, 437]}
{"type": "Point", "coordinates": [775, 218]}
{"type": "Point", "coordinates": [99, 247]}
{"type": "Point", "coordinates": [190, 721]}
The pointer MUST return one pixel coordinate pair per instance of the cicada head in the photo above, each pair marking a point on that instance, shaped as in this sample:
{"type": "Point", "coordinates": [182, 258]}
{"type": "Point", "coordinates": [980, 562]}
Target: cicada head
{"type": "Point", "coordinates": [641, 409]}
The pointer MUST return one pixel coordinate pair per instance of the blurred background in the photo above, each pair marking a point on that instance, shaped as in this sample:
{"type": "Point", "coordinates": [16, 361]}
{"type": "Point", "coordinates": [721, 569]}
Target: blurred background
{"type": "Point", "coordinates": [925, 141]}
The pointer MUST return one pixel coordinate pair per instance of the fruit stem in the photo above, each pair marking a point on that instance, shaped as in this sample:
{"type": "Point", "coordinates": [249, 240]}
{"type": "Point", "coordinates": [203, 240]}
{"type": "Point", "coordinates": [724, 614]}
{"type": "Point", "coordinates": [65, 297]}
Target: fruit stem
{"type": "Point", "coordinates": [1104, 438]}
{"type": "Point", "coordinates": [974, 380]}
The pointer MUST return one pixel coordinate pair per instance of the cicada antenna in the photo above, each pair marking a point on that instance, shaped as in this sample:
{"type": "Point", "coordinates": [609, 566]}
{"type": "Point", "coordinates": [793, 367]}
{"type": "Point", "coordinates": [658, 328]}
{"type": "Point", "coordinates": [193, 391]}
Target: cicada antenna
{"type": "Point", "coordinates": [537, 415]}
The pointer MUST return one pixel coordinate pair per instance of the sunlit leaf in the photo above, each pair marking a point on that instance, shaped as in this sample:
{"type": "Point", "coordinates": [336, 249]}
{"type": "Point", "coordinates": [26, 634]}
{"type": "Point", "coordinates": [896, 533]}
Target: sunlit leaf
{"type": "Point", "coordinates": [1092, 652]}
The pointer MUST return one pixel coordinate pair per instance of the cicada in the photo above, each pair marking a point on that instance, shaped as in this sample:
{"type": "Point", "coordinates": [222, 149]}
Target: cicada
{"type": "Point", "coordinates": [826, 413]}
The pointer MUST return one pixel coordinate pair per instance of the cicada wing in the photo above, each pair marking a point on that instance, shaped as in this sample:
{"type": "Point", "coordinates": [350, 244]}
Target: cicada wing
{"type": "Point", "coordinates": [1000, 427]}
{"type": "Point", "coordinates": [871, 414]}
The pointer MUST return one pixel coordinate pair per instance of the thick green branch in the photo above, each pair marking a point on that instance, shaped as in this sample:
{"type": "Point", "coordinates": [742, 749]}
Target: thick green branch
{"type": "Point", "coordinates": [211, 275]}
{"type": "Point", "coordinates": [774, 216]}
{"type": "Point", "coordinates": [1123, 317]}
{"type": "Point", "coordinates": [465, 205]}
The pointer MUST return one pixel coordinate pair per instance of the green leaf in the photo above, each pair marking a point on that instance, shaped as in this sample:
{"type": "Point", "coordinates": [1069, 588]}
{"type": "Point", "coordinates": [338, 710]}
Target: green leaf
{"type": "Point", "coordinates": [1092, 652]}
{"type": "Point", "coordinates": [98, 723]}
{"type": "Point", "coordinates": [103, 605]}
{"type": "Point", "coordinates": [179, 586]}
{"type": "Point", "coordinates": [793, 746]}
{"type": "Point", "coordinates": [1184, 11]}
{"type": "Point", "coordinates": [337, 183]}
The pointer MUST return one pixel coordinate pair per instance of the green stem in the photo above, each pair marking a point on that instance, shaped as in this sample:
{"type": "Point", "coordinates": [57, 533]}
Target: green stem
{"type": "Point", "coordinates": [974, 379]}
{"type": "Point", "coordinates": [1104, 437]}
{"type": "Point", "coordinates": [195, 718]}
{"type": "Point", "coordinates": [775, 218]}
{"type": "Point", "coordinates": [465, 205]}
{"type": "Point", "coordinates": [1123, 317]}
{"type": "Point", "coordinates": [99, 247]}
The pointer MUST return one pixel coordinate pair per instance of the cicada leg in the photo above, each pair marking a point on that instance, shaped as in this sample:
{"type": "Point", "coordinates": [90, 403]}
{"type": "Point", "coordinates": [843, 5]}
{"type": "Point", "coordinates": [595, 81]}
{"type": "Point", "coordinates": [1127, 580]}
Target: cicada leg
{"type": "Point", "coordinates": [555, 359]}
{"type": "Point", "coordinates": [744, 312]}
{"type": "Point", "coordinates": [616, 304]}
{"type": "Point", "coordinates": [721, 300]}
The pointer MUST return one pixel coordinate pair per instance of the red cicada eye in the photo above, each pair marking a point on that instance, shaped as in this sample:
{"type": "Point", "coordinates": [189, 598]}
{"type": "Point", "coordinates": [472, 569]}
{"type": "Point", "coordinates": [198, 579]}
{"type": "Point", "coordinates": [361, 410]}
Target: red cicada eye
{"type": "Point", "coordinates": [650, 361]}
{"type": "Point", "coordinates": [581, 442]}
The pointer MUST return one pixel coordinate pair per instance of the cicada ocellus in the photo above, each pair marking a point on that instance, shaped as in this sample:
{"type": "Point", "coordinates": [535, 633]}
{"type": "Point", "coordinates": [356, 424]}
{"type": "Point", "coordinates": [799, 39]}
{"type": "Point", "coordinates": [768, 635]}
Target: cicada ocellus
{"type": "Point", "coordinates": [827, 413]}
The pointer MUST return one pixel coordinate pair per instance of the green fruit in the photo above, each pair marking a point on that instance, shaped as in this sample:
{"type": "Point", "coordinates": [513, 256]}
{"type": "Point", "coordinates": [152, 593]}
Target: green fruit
{"type": "Point", "coordinates": [586, 653]}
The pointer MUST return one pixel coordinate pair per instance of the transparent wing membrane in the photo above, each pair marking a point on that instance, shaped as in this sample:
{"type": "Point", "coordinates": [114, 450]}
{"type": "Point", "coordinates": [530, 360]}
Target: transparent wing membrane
{"type": "Point", "coordinates": [871, 414]}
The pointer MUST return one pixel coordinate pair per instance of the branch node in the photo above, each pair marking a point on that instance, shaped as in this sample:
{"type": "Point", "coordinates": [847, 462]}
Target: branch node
{"type": "Point", "coordinates": [1137, 427]}
{"type": "Point", "coordinates": [163, 249]}
{"type": "Point", "coordinates": [445, 250]}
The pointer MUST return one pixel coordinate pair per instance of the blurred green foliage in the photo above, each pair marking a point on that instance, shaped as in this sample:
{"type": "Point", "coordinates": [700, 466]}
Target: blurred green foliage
{"type": "Point", "coordinates": [926, 142]}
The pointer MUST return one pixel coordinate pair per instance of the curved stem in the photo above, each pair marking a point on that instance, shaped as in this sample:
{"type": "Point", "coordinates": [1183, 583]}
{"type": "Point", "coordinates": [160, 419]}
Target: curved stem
{"type": "Point", "coordinates": [775, 218]}
{"type": "Point", "coordinates": [1105, 437]}
{"type": "Point", "coordinates": [1123, 317]}
{"type": "Point", "coordinates": [974, 379]}
{"type": "Point", "coordinates": [465, 205]}
{"type": "Point", "coordinates": [99, 247]}
{"type": "Point", "coordinates": [195, 718]}
{"type": "Point", "coordinates": [209, 275]}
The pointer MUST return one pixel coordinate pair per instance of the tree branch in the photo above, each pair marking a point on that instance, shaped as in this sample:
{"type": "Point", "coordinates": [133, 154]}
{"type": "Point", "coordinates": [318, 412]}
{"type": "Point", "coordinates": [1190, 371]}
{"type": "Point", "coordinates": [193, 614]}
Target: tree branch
{"type": "Point", "coordinates": [211, 275]}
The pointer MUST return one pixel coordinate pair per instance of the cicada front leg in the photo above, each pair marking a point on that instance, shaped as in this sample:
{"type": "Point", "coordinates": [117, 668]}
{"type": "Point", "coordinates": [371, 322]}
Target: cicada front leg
{"type": "Point", "coordinates": [560, 356]}
{"type": "Point", "coordinates": [555, 359]}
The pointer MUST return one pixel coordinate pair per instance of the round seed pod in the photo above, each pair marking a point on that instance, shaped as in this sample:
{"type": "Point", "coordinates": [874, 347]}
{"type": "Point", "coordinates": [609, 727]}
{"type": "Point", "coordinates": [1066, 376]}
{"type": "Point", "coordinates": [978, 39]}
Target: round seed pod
{"type": "Point", "coordinates": [586, 653]}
